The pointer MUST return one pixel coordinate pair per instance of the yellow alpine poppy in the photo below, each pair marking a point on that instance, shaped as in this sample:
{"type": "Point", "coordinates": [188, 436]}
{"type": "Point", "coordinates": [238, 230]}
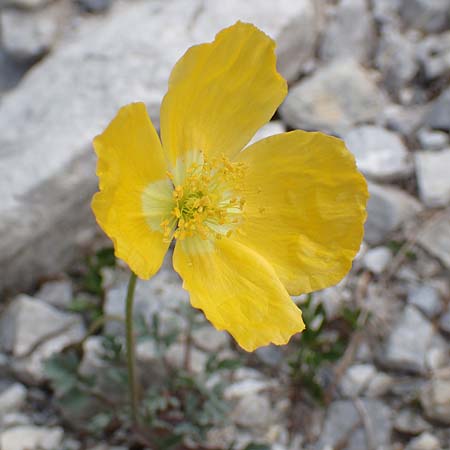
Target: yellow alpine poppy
{"type": "Point", "coordinates": [283, 216]}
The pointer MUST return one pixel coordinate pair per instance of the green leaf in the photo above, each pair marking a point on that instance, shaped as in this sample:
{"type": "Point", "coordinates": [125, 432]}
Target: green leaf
{"type": "Point", "coordinates": [62, 371]}
{"type": "Point", "coordinates": [255, 446]}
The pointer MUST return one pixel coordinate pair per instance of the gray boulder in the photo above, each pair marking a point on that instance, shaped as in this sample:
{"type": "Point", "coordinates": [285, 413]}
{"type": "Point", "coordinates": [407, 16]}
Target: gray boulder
{"type": "Point", "coordinates": [433, 169]}
{"type": "Point", "coordinates": [334, 99]}
{"type": "Point", "coordinates": [438, 116]}
{"type": "Point", "coordinates": [388, 208]}
{"type": "Point", "coordinates": [350, 33]}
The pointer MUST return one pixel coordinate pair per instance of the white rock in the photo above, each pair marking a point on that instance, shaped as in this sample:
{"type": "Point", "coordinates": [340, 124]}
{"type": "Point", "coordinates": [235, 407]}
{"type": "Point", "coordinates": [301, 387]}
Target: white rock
{"type": "Point", "coordinates": [388, 208]}
{"type": "Point", "coordinates": [27, 322]}
{"type": "Point", "coordinates": [11, 420]}
{"type": "Point", "coordinates": [427, 15]}
{"type": "Point", "coordinates": [209, 339]}
{"type": "Point", "coordinates": [357, 379]}
{"type": "Point", "coordinates": [58, 293]}
{"type": "Point", "coordinates": [386, 11]}
{"type": "Point", "coordinates": [435, 398]}
{"type": "Point", "coordinates": [435, 238]}
{"type": "Point", "coordinates": [31, 368]}
{"type": "Point", "coordinates": [425, 441]}
{"type": "Point", "coordinates": [432, 140]}
{"type": "Point", "coordinates": [12, 399]}
{"type": "Point", "coordinates": [427, 299]}
{"type": "Point", "coordinates": [343, 421]}
{"type": "Point", "coordinates": [396, 59]}
{"type": "Point", "coordinates": [47, 168]}
{"type": "Point", "coordinates": [438, 355]}
{"type": "Point", "coordinates": [253, 411]}
{"type": "Point", "coordinates": [379, 153]}
{"type": "Point", "coordinates": [176, 353]}
{"type": "Point", "coordinates": [244, 388]}
{"type": "Point", "coordinates": [379, 385]}
{"type": "Point", "coordinates": [434, 55]}
{"type": "Point", "coordinates": [333, 99]}
{"type": "Point", "coordinates": [409, 422]}
{"type": "Point", "coordinates": [433, 169]}
{"type": "Point", "coordinates": [30, 34]}
{"type": "Point", "coordinates": [350, 33]}
{"type": "Point", "coordinates": [438, 115]}
{"type": "Point", "coordinates": [377, 259]}
{"type": "Point", "coordinates": [31, 438]}
{"type": "Point", "coordinates": [92, 361]}
{"type": "Point", "coordinates": [405, 120]}
{"type": "Point", "coordinates": [409, 341]}
{"type": "Point", "coordinates": [269, 129]}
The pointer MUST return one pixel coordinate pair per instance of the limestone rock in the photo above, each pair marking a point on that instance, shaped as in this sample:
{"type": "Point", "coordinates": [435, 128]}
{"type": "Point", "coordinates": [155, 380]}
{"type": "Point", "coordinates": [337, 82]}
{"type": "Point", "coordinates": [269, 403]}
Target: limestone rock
{"type": "Point", "coordinates": [426, 441]}
{"type": "Point", "coordinates": [438, 116]}
{"type": "Point", "coordinates": [253, 411]}
{"type": "Point", "coordinates": [379, 385]}
{"type": "Point", "coordinates": [357, 379]}
{"type": "Point", "coordinates": [435, 398]}
{"type": "Point", "coordinates": [396, 59]}
{"type": "Point", "coordinates": [388, 208]}
{"type": "Point", "coordinates": [433, 52]}
{"type": "Point", "coordinates": [31, 368]}
{"type": "Point", "coordinates": [407, 345]}
{"type": "Point", "coordinates": [377, 259]}
{"type": "Point", "coordinates": [247, 387]}
{"type": "Point", "coordinates": [334, 99]}
{"type": "Point", "coordinates": [433, 169]}
{"type": "Point", "coordinates": [12, 399]}
{"type": "Point", "coordinates": [27, 322]}
{"type": "Point", "coordinates": [350, 33]}
{"type": "Point", "coordinates": [57, 293]}
{"type": "Point", "coordinates": [380, 153]}
{"type": "Point", "coordinates": [409, 422]}
{"type": "Point", "coordinates": [427, 299]}
{"type": "Point", "coordinates": [209, 339]}
{"type": "Point", "coordinates": [31, 438]}
{"type": "Point", "coordinates": [435, 238]}
{"type": "Point", "coordinates": [427, 15]}
{"type": "Point", "coordinates": [342, 425]}
{"type": "Point", "coordinates": [27, 35]}
{"type": "Point", "coordinates": [404, 120]}
{"type": "Point", "coordinates": [432, 140]}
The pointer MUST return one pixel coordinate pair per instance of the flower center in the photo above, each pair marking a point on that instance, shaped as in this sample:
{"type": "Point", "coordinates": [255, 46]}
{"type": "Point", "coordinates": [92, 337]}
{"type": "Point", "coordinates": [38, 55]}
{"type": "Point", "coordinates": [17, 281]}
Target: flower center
{"type": "Point", "coordinates": [207, 199]}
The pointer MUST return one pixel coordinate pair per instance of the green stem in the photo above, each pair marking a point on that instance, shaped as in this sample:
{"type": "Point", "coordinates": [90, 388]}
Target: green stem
{"type": "Point", "coordinates": [131, 357]}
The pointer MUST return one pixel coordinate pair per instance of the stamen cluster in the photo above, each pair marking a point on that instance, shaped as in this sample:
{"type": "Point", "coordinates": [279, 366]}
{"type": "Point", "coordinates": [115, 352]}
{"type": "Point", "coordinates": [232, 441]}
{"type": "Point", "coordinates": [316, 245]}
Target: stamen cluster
{"type": "Point", "coordinates": [208, 201]}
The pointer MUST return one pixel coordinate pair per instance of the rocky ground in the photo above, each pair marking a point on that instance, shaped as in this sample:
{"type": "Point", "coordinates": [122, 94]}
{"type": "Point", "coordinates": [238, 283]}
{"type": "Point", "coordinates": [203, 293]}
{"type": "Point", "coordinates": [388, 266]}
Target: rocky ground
{"type": "Point", "coordinates": [373, 369]}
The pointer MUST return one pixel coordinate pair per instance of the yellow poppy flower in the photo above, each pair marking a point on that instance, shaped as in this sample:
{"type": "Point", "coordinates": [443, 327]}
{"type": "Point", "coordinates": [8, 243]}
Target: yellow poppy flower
{"type": "Point", "coordinates": [284, 216]}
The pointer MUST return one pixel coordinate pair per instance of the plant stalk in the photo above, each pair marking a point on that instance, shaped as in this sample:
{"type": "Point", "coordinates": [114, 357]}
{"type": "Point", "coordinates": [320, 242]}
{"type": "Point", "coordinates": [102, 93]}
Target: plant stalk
{"type": "Point", "coordinates": [131, 355]}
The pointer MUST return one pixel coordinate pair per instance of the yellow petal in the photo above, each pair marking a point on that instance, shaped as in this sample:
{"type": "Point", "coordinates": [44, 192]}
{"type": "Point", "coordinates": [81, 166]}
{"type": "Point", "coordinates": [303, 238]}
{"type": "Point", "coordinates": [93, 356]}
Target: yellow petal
{"type": "Point", "coordinates": [221, 93]}
{"type": "Point", "coordinates": [130, 157]}
{"type": "Point", "coordinates": [238, 291]}
{"type": "Point", "coordinates": [305, 208]}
